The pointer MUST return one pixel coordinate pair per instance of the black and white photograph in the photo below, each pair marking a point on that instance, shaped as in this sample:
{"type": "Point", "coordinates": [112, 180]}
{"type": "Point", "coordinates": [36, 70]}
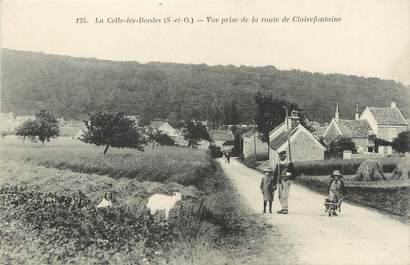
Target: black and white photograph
{"type": "Point", "coordinates": [175, 132]}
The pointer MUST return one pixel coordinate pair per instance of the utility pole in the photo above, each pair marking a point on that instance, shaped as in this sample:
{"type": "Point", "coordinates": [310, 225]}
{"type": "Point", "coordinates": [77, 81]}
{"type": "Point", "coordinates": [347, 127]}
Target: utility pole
{"type": "Point", "coordinates": [254, 138]}
{"type": "Point", "coordinates": [288, 129]}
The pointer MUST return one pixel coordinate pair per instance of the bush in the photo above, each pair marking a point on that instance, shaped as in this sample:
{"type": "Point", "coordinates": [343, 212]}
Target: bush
{"type": "Point", "coordinates": [340, 144]}
{"type": "Point", "coordinates": [59, 220]}
{"type": "Point", "coordinates": [215, 151]}
{"type": "Point", "coordinates": [401, 143]}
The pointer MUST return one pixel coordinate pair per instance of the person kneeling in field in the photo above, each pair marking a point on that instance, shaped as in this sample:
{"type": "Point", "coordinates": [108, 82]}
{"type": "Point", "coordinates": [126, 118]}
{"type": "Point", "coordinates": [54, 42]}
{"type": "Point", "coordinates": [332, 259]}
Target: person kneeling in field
{"type": "Point", "coordinates": [106, 202]}
{"type": "Point", "coordinates": [335, 191]}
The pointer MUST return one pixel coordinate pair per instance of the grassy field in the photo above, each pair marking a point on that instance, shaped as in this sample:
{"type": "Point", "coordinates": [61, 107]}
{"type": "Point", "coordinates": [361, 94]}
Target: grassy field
{"type": "Point", "coordinates": [208, 227]}
{"type": "Point", "coordinates": [161, 164]}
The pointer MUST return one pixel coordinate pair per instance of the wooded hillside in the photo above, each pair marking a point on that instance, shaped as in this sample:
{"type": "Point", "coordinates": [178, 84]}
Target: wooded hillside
{"type": "Point", "coordinates": [72, 87]}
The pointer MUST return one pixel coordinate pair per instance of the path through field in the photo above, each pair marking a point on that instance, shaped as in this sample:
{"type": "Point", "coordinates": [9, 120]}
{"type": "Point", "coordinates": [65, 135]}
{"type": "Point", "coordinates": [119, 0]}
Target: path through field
{"type": "Point", "coordinates": [357, 236]}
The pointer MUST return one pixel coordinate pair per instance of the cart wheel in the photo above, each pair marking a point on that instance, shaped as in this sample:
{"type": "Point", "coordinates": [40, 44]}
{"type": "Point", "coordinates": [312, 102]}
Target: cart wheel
{"type": "Point", "coordinates": [330, 214]}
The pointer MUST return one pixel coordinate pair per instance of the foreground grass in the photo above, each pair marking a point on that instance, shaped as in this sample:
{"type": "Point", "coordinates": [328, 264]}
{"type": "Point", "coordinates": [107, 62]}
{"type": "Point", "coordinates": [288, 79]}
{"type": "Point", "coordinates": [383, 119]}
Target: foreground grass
{"type": "Point", "coordinates": [210, 226]}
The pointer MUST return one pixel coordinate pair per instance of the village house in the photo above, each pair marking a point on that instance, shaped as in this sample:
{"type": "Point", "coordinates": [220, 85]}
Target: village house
{"type": "Point", "coordinates": [221, 138]}
{"type": "Point", "coordinates": [164, 127]}
{"type": "Point", "coordinates": [386, 123]}
{"type": "Point", "coordinates": [251, 142]}
{"type": "Point", "coordinates": [296, 140]}
{"type": "Point", "coordinates": [358, 130]}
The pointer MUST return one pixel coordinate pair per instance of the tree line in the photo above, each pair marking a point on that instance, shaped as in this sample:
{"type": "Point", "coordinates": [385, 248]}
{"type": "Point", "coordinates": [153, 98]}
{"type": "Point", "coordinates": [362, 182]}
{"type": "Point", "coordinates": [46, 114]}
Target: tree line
{"type": "Point", "coordinates": [73, 87]}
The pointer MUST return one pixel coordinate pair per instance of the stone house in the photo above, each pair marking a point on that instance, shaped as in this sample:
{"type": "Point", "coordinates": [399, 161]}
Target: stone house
{"type": "Point", "coordinates": [221, 138]}
{"type": "Point", "coordinates": [250, 139]}
{"type": "Point", "coordinates": [358, 130]}
{"type": "Point", "coordinates": [296, 140]}
{"type": "Point", "coordinates": [386, 122]}
{"type": "Point", "coordinates": [164, 127]}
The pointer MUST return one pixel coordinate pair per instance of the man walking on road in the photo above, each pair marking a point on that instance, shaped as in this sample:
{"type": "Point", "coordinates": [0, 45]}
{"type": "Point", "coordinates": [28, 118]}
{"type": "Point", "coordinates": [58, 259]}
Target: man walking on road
{"type": "Point", "coordinates": [284, 175]}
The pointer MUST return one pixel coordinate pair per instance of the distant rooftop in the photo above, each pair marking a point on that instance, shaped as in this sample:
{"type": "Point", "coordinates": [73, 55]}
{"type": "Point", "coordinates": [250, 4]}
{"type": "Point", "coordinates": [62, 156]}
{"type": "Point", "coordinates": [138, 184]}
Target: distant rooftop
{"type": "Point", "coordinates": [156, 124]}
{"type": "Point", "coordinates": [355, 128]}
{"type": "Point", "coordinates": [220, 135]}
{"type": "Point", "coordinates": [279, 140]}
{"type": "Point", "coordinates": [388, 115]}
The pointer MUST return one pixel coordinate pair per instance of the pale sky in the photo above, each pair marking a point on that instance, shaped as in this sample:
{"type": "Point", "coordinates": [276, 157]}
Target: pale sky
{"type": "Point", "coordinates": [371, 40]}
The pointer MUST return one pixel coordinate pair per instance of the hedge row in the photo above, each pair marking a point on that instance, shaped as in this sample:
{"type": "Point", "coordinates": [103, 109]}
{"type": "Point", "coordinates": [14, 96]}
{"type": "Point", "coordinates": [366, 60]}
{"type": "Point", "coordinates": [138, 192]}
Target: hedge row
{"type": "Point", "coordinates": [388, 196]}
{"type": "Point", "coordinates": [346, 167]}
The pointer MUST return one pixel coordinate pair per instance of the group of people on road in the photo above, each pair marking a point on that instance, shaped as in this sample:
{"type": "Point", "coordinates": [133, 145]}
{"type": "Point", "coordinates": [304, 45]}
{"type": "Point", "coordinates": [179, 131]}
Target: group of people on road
{"type": "Point", "coordinates": [282, 175]}
{"type": "Point", "coordinates": [280, 178]}
{"type": "Point", "coordinates": [226, 157]}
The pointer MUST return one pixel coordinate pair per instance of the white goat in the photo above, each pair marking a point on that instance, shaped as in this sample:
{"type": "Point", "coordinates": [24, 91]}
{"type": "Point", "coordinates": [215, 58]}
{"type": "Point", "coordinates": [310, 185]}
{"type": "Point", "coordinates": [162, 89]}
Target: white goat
{"type": "Point", "coordinates": [159, 202]}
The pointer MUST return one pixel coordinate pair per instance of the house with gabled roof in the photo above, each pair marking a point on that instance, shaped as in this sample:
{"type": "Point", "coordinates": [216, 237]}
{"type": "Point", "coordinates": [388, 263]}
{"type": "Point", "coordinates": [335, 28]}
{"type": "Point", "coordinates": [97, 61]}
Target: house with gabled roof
{"type": "Point", "coordinates": [164, 127]}
{"type": "Point", "coordinates": [358, 130]}
{"type": "Point", "coordinates": [221, 138]}
{"type": "Point", "coordinates": [252, 143]}
{"type": "Point", "coordinates": [386, 122]}
{"type": "Point", "coordinates": [298, 142]}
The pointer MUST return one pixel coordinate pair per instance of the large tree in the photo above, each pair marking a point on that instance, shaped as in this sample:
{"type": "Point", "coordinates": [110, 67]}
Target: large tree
{"type": "Point", "coordinates": [194, 131]}
{"type": "Point", "coordinates": [270, 113]}
{"type": "Point", "coordinates": [401, 143]}
{"type": "Point", "coordinates": [112, 129]}
{"type": "Point", "coordinates": [43, 128]}
{"type": "Point", "coordinates": [158, 137]}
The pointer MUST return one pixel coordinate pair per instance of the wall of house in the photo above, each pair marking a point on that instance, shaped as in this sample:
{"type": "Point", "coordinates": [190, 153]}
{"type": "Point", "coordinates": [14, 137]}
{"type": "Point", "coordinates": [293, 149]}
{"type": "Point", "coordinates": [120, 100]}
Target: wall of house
{"type": "Point", "coordinates": [249, 148]}
{"type": "Point", "coordinates": [361, 144]}
{"type": "Point", "coordinates": [168, 129]}
{"type": "Point", "coordinates": [388, 133]}
{"type": "Point", "coordinates": [367, 115]}
{"type": "Point", "coordinates": [385, 150]}
{"type": "Point", "coordinates": [303, 148]}
{"type": "Point", "coordinates": [331, 133]}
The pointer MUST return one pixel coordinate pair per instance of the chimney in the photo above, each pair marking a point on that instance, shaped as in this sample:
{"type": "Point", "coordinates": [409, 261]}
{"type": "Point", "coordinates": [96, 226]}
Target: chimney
{"type": "Point", "coordinates": [294, 114]}
{"type": "Point", "coordinates": [293, 118]}
{"type": "Point", "coordinates": [337, 112]}
{"type": "Point", "coordinates": [356, 115]}
{"type": "Point", "coordinates": [393, 105]}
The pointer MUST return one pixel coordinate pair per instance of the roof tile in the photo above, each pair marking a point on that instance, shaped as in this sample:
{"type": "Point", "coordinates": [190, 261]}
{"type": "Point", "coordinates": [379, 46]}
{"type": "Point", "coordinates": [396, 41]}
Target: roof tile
{"type": "Point", "coordinates": [388, 116]}
{"type": "Point", "coordinates": [355, 128]}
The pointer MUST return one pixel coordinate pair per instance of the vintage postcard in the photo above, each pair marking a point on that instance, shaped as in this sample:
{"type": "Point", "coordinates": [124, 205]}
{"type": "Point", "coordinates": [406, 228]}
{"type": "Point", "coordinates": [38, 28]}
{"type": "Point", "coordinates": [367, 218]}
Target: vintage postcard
{"type": "Point", "coordinates": [205, 132]}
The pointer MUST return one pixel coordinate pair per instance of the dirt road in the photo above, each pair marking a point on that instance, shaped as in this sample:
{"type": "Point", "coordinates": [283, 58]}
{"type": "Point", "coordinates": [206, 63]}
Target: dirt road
{"type": "Point", "coordinates": [357, 236]}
